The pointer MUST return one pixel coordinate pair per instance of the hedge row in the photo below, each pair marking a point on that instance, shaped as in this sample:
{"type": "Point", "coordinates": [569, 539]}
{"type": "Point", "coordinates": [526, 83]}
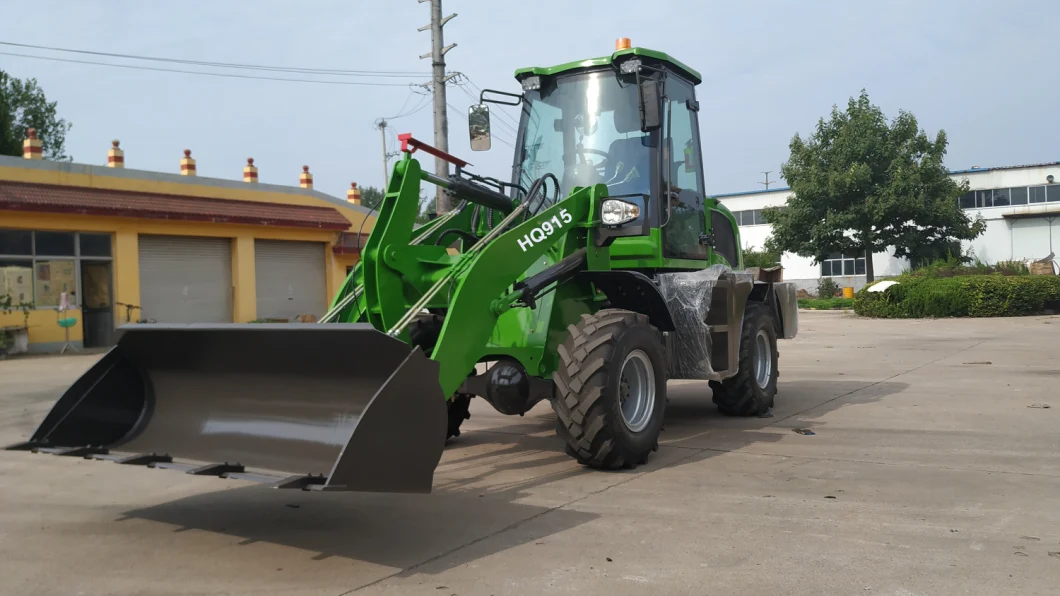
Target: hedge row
{"type": "Point", "coordinates": [965, 296]}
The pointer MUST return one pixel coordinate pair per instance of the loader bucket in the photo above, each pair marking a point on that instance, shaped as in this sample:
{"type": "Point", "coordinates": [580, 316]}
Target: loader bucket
{"type": "Point", "coordinates": [326, 406]}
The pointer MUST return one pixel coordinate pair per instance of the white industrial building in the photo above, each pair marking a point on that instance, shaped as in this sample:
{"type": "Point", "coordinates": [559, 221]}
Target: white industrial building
{"type": "Point", "coordinates": [1019, 204]}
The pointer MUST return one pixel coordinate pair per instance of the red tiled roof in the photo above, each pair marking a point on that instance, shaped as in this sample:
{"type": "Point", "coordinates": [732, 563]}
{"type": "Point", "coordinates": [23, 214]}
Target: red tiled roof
{"type": "Point", "coordinates": [19, 196]}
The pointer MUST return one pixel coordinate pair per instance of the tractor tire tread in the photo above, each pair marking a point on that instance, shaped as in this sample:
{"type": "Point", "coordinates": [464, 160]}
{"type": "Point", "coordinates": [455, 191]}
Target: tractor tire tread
{"type": "Point", "coordinates": [581, 379]}
{"type": "Point", "coordinates": [740, 395]}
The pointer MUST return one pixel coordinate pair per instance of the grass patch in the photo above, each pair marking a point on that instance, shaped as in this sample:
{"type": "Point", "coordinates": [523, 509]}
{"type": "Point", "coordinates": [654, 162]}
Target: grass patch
{"type": "Point", "coordinates": [826, 303]}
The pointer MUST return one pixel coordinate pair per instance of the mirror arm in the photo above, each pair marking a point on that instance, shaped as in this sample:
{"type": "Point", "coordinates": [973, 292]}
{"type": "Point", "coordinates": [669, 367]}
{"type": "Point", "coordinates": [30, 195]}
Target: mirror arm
{"type": "Point", "coordinates": [482, 97]}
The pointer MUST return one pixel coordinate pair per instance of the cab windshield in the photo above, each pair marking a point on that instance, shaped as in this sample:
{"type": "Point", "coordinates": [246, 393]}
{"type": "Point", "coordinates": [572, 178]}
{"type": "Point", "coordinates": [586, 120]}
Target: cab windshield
{"type": "Point", "coordinates": [585, 129]}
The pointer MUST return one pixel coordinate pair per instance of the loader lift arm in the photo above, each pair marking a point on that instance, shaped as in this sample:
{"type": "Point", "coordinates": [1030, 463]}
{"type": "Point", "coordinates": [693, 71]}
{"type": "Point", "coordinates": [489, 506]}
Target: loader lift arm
{"type": "Point", "coordinates": [480, 292]}
{"type": "Point", "coordinates": [402, 277]}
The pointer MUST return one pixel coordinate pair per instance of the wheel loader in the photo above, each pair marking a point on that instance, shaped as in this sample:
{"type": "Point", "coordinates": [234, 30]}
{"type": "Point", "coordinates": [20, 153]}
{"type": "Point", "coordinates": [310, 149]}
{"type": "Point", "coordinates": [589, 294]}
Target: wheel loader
{"type": "Point", "coordinates": [595, 273]}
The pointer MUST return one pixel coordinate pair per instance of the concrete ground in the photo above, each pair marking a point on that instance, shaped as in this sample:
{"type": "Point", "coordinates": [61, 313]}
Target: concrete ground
{"type": "Point", "coordinates": [933, 470]}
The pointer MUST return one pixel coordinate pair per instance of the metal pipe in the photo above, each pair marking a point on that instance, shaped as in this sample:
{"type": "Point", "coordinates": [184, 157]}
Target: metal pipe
{"type": "Point", "coordinates": [435, 180]}
{"type": "Point", "coordinates": [334, 312]}
{"type": "Point", "coordinates": [437, 287]}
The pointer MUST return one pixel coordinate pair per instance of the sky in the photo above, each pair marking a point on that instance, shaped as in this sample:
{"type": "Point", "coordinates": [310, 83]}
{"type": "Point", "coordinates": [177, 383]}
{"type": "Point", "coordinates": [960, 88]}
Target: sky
{"type": "Point", "coordinates": [983, 71]}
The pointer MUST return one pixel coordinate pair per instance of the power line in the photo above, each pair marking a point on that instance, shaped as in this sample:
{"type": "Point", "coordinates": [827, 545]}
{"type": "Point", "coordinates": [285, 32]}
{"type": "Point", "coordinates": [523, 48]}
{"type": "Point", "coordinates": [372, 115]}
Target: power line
{"type": "Point", "coordinates": [291, 69]}
{"type": "Point", "coordinates": [209, 74]}
{"type": "Point", "coordinates": [426, 101]}
{"type": "Point", "coordinates": [407, 98]}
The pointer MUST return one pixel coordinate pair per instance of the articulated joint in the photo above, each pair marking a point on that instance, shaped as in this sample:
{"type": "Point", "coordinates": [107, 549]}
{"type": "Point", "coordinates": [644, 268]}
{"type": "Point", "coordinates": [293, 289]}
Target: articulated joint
{"type": "Point", "coordinates": [501, 305]}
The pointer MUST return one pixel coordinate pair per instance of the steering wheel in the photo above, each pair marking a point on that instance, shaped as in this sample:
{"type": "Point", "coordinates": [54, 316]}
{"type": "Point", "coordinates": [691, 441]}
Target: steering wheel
{"type": "Point", "coordinates": [581, 159]}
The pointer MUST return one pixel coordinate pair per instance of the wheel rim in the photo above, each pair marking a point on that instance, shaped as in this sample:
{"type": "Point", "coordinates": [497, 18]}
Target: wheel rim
{"type": "Point", "coordinates": [636, 390]}
{"type": "Point", "coordinates": [763, 359]}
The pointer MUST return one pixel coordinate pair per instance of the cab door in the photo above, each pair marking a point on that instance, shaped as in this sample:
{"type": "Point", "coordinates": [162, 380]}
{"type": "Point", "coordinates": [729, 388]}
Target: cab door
{"type": "Point", "coordinates": [684, 224]}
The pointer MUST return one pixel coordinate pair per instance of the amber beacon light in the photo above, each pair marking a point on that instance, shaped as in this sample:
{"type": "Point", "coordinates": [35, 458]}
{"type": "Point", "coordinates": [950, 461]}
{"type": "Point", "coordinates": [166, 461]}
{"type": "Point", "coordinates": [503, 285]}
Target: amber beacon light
{"type": "Point", "coordinates": [622, 43]}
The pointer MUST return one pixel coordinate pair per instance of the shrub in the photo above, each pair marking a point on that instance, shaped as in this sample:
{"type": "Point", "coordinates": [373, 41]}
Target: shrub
{"type": "Point", "coordinates": [763, 259]}
{"type": "Point", "coordinates": [996, 295]}
{"type": "Point", "coordinates": [955, 267]}
{"type": "Point", "coordinates": [827, 288]}
{"type": "Point", "coordinates": [826, 303]}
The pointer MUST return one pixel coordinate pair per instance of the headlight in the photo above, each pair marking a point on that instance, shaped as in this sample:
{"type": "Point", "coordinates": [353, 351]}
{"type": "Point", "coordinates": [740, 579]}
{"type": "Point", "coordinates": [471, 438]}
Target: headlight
{"type": "Point", "coordinates": [531, 83]}
{"type": "Point", "coordinates": [615, 212]}
{"type": "Point", "coordinates": [630, 66]}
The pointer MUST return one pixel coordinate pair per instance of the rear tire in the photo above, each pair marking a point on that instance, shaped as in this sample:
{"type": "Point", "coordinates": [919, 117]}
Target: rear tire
{"type": "Point", "coordinates": [611, 389]}
{"type": "Point", "coordinates": [751, 391]}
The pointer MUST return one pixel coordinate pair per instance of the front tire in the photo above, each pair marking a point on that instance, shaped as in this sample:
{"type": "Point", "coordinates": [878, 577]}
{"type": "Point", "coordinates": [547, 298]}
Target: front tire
{"type": "Point", "coordinates": [424, 333]}
{"type": "Point", "coordinates": [611, 389]}
{"type": "Point", "coordinates": [751, 391]}
{"type": "Point", "coordinates": [459, 411]}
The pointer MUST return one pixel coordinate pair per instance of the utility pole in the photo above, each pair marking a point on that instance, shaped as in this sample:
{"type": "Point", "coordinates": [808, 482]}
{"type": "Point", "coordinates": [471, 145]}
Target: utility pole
{"type": "Point", "coordinates": [381, 124]}
{"type": "Point", "coordinates": [438, 81]}
{"type": "Point", "coordinates": [767, 182]}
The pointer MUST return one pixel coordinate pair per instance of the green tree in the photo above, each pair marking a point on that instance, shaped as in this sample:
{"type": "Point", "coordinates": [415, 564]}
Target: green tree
{"type": "Point", "coordinates": [861, 184]}
{"type": "Point", "coordinates": [371, 197]}
{"type": "Point", "coordinates": [23, 105]}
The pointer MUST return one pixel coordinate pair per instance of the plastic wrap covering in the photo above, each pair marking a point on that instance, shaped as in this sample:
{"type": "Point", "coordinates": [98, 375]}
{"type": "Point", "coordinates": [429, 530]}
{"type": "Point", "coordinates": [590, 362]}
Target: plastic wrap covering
{"type": "Point", "coordinates": [689, 297]}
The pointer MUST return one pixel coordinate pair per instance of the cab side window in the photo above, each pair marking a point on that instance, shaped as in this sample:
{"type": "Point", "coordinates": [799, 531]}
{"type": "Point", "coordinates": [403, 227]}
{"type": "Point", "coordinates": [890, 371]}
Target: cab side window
{"type": "Point", "coordinates": [683, 176]}
{"type": "Point", "coordinates": [724, 237]}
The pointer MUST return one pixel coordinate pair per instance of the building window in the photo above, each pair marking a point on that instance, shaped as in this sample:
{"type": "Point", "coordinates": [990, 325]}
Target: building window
{"type": "Point", "coordinates": [842, 265]}
{"type": "Point", "coordinates": [18, 242]}
{"type": "Point", "coordinates": [95, 245]}
{"type": "Point", "coordinates": [1018, 195]}
{"type": "Point", "coordinates": [16, 280]}
{"type": "Point", "coordinates": [36, 267]}
{"type": "Point", "coordinates": [984, 198]}
{"type": "Point", "coordinates": [56, 244]}
{"type": "Point", "coordinates": [751, 217]}
{"type": "Point", "coordinates": [1003, 197]}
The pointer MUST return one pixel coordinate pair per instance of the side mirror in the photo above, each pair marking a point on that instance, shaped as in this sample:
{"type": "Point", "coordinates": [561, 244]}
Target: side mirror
{"type": "Point", "coordinates": [478, 124]}
{"type": "Point", "coordinates": [650, 105]}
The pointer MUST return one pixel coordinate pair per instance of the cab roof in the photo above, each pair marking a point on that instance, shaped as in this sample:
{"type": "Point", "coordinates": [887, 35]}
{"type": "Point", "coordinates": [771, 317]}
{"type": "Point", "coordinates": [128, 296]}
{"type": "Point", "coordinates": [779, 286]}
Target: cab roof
{"type": "Point", "coordinates": [608, 60]}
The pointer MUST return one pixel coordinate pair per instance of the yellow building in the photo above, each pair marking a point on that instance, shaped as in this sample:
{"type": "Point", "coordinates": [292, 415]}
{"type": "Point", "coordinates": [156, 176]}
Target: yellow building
{"type": "Point", "coordinates": [126, 245]}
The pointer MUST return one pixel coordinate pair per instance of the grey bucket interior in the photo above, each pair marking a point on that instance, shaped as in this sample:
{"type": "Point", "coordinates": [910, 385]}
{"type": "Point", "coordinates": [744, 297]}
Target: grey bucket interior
{"type": "Point", "coordinates": [339, 400]}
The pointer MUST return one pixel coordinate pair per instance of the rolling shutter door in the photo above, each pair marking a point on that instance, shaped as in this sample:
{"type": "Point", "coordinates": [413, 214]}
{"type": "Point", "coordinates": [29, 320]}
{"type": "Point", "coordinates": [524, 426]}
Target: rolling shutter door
{"type": "Point", "coordinates": [291, 279]}
{"type": "Point", "coordinates": [186, 279]}
{"type": "Point", "coordinates": [1030, 239]}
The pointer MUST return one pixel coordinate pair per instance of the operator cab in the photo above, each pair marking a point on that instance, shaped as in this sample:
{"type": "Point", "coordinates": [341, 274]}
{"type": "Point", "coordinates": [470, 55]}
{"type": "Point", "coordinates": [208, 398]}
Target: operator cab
{"type": "Point", "coordinates": [630, 122]}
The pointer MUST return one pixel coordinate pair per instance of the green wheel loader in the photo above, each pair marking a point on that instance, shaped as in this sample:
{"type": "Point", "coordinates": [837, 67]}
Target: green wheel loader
{"type": "Point", "coordinates": [593, 275]}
